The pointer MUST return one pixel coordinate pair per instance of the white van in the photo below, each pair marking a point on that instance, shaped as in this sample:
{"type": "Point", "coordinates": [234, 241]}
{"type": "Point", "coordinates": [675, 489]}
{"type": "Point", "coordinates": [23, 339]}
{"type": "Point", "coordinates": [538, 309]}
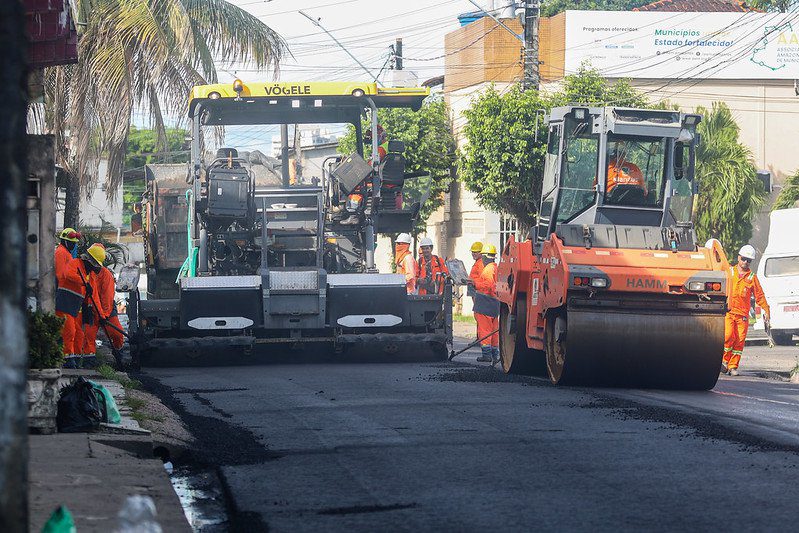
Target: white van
{"type": "Point", "coordinates": [778, 271]}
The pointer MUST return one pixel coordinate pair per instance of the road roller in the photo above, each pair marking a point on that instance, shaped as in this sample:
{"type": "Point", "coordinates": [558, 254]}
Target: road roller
{"type": "Point", "coordinates": [612, 288]}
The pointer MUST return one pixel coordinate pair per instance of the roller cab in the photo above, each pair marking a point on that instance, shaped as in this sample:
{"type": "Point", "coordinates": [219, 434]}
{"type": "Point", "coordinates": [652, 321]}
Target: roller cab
{"type": "Point", "coordinates": [612, 287]}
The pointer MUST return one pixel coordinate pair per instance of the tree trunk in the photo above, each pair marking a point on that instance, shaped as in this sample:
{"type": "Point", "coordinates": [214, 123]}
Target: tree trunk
{"type": "Point", "coordinates": [13, 349]}
{"type": "Point", "coordinates": [72, 202]}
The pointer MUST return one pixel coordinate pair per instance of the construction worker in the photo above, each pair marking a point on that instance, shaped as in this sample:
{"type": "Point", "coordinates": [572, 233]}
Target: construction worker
{"type": "Point", "coordinates": [430, 270]}
{"type": "Point", "coordinates": [66, 251]}
{"type": "Point", "coordinates": [623, 172]}
{"type": "Point", "coordinates": [104, 317]}
{"type": "Point", "coordinates": [75, 294]}
{"type": "Point", "coordinates": [742, 284]}
{"type": "Point", "coordinates": [406, 264]}
{"type": "Point", "coordinates": [486, 306]}
{"type": "Point", "coordinates": [474, 273]}
{"type": "Point", "coordinates": [355, 199]}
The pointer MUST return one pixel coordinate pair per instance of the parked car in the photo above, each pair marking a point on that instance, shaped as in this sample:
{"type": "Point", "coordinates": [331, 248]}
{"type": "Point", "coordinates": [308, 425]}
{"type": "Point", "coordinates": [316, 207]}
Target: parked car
{"type": "Point", "coordinates": [778, 271]}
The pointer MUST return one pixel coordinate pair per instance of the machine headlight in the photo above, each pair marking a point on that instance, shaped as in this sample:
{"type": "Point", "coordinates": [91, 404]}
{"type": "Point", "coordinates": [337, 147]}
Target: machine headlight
{"type": "Point", "coordinates": [696, 286]}
{"type": "Point", "coordinates": [599, 283]}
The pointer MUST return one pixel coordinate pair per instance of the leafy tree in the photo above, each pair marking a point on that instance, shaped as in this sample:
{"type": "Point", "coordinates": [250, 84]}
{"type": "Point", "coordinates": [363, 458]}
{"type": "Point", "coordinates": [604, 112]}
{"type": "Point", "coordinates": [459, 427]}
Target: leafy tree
{"type": "Point", "coordinates": [730, 193]}
{"type": "Point", "coordinates": [789, 195]}
{"type": "Point", "coordinates": [782, 6]}
{"type": "Point", "coordinates": [137, 54]}
{"type": "Point", "coordinates": [143, 148]}
{"type": "Point", "coordinates": [503, 160]}
{"type": "Point", "coordinates": [557, 6]}
{"type": "Point", "coordinates": [429, 147]}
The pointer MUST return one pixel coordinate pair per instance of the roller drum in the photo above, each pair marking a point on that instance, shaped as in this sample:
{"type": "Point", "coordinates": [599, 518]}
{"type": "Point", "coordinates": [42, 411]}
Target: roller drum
{"type": "Point", "coordinates": [674, 349]}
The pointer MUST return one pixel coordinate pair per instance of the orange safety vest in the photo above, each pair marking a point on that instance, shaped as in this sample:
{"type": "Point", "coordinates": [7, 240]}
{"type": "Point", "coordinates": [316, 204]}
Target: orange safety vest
{"type": "Point", "coordinates": [406, 265]}
{"type": "Point", "coordinates": [739, 293]}
{"type": "Point", "coordinates": [71, 289]}
{"type": "Point", "coordinates": [477, 268]}
{"type": "Point", "coordinates": [62, 257]}
{"type": "Point", "coordinates": [428, 273]}
{"type": "Point", "coordinates": [624, 173]}
{"type": "Point", "coordinates": [104, 287]}
{"type": "Point", "coordinates": [486, 283]}
{"type": "Point", "coordinates": [485, 300]}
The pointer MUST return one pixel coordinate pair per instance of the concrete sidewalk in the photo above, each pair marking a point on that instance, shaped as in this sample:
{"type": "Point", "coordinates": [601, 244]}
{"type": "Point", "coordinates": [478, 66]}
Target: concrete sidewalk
{"type": "Point", "coordinates": [92, 473]}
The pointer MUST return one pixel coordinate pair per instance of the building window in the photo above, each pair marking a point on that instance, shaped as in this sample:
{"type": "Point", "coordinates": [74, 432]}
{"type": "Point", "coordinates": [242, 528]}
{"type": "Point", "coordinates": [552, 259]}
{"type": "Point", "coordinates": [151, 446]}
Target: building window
{"type": "Point", "coordinates": [508, 226]}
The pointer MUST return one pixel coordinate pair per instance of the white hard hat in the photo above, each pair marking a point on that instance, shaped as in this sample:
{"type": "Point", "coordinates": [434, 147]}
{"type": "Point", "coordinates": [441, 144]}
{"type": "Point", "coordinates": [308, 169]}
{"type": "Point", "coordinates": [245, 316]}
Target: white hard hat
{"type": "Point", "coordinates": [747, 251]}
{"type": "Point", "coordinates": [426, 241]}
{"type": "Point", "coordinates": [404, 237]}
{"type": "Point", "coordinates": [709, 243]}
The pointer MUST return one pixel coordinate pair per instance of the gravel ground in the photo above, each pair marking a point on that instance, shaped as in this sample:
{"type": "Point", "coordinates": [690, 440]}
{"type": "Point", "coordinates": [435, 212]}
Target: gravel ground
{"type": "Point", "coordinates": [165, 425]}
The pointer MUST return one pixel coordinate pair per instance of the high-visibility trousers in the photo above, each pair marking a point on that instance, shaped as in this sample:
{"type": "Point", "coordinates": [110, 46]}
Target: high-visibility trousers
{"type": "Point", "coordinates": [72, 332]}
{"type": "Point", "coordinates": [90, 335]}
{"type": "Point", "coordinates": [735, 328]}
{"type": "Point", "coordinates": [485, 325]}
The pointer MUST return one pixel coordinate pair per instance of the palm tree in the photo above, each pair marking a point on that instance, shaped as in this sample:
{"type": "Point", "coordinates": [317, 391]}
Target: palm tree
{"type": "Point", "coordinates": [730, 194]}
{"type": "Point", "coordinates": [142, 54]}
{"type": "Point", "coordinates": [789, 195]}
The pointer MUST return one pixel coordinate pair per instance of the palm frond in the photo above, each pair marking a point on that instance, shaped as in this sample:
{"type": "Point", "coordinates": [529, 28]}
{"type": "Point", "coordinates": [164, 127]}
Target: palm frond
{"type": "Point", "coordinates": [142, 54]}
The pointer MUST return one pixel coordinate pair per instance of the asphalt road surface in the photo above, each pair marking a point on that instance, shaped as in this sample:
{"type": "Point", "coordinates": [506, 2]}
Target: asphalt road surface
{"type": "Point", "coordinates": [461, 447]}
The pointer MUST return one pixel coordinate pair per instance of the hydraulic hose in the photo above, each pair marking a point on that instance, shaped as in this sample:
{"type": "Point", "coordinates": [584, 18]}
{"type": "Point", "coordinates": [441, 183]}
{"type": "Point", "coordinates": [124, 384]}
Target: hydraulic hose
{"type": "Point", "coordinates": [189, 266]}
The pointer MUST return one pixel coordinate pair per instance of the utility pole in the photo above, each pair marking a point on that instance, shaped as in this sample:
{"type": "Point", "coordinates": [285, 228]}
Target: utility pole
{"type": "Point", "coordinates": [13, 316]}
{"type": "Point", "coordinates": [398, 54]}
{"type": "Point", "coordinates": [532, 78]}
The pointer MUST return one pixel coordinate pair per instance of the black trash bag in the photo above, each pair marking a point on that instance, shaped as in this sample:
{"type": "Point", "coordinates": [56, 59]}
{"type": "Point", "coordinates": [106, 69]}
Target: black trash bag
{"type": "Point", "coordinates": [78, 409]}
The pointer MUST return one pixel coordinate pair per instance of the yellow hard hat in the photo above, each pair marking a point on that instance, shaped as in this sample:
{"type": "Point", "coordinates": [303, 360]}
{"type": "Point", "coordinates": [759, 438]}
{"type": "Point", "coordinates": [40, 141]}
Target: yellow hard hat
{"type": "Point", "coordinates": [69, 234]}
{"type": "Point", "coordinates": [96, 254]}
{"type": "Point", "coordinates": [489, 249]}
{"type": "Point", "coordinates": [477, 246]}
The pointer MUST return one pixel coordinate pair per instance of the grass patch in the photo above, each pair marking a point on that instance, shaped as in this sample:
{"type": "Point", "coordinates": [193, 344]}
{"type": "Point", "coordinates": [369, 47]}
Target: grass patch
{"type": "Point", "coordinates": [112, 375]}
{"type": "Point", "coordinates": [466, 319]}
{"type": "Point", "coordinates": [134, 403]}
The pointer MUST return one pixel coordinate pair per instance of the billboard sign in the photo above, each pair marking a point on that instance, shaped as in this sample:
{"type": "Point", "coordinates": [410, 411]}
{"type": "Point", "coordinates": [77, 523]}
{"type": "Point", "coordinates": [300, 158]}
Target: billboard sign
{"type": "Point", "coordinates": [669, 45]}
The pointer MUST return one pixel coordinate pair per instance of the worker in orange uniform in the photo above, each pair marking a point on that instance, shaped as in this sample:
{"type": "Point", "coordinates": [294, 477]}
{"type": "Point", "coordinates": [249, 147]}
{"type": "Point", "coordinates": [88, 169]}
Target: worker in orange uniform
{"type": "Point", "coordinates": [355, 199]}
{"type": "Point", "coordinates": [104, 317]}
{"type": "Point", "coordinates": [75, 292]}
{"type": "Point", "coordinates": [486, 306]}
{"type": "Point", "coordinates": [742, 284]}
{"type": "Point", "coordinates": [406, 264]}
{"type": "Point", "coordinates": [623, 172]}
{"type": "Point", "coordinates": [477, 256]}
{"type": "Point", "coordinates": [66, 251]}
{"type": "Point", "coordinates": [431, 270]}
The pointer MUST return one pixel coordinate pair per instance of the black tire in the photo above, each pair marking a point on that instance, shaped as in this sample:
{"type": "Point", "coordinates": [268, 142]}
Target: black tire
{"type": "Point", "coordinates": [515, 356]}
{"type": "Point", "coordinates": [782, 338]}
{"type": "Point", "coordinates": [559, 370]}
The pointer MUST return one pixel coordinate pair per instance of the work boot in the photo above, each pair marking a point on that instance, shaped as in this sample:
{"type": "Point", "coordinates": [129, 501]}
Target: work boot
{"type": "Point", "coordinates": [724, 369]}
{"type": "Point", "coordinates": [495, 354]}
{"type": "Point", "coordinates": [486, 356]}
{"type": "Point", "coordinates": [733, 372]}
{"type": "Point", "coordinates": [70, 361]}
{"type": "Point", "coordinates": [350, 220]}
{"type": "Point", "coordinates": [89, 360]}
